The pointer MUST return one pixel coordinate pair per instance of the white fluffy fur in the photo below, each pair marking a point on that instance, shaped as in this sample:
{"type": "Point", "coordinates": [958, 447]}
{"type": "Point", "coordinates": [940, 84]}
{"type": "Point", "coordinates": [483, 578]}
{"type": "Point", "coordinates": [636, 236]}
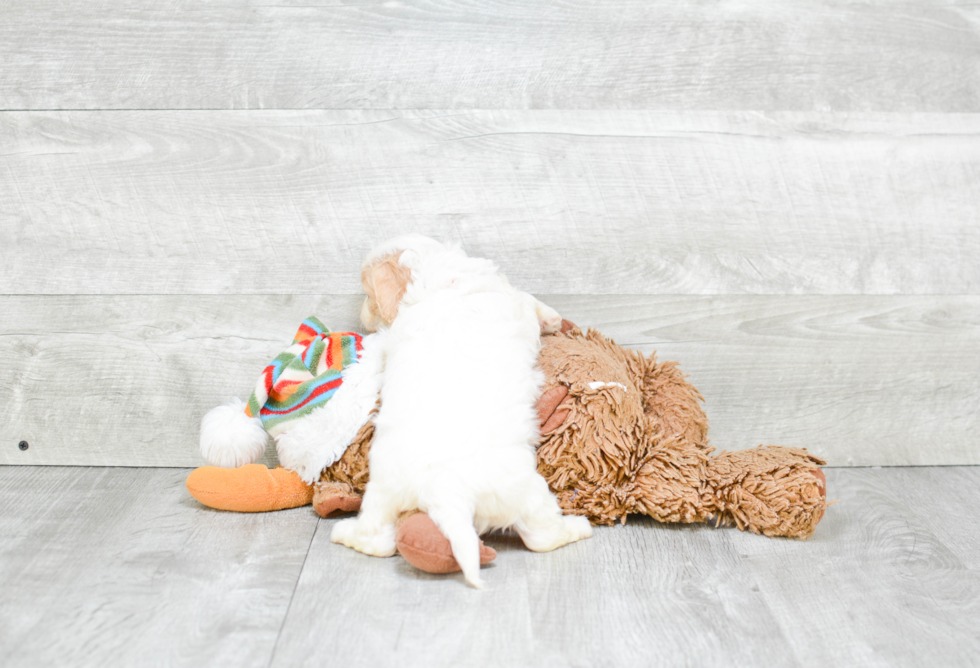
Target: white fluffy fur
{"type": "Point", "coordinates": [229, 438]}
{"type": "Point", "coordinates": [320, 439]}
{"type": "Point", "coordinates": [456, 433]}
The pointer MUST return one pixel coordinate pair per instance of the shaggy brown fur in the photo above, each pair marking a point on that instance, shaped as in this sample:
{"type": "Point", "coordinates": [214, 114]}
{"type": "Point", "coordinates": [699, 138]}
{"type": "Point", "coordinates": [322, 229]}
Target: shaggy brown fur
{"type": "Point", "coordinates": [768, 490]}
{"type": "Point", "coordinates": [635, 440]}
{"type": "Point", "coordinates": [350, 472]}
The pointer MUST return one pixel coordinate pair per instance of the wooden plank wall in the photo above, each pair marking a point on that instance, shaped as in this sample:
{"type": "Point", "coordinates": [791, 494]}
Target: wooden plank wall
{"type": "Point", "coordinates": [783, 196]}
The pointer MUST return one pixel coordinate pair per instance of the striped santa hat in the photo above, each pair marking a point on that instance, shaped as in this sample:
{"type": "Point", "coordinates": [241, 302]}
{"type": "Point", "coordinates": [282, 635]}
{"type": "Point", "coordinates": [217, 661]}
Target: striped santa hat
{"type": "Point", "coordinates": [302, 377]}
{"type": "Point", "coordinates": [299, 380]}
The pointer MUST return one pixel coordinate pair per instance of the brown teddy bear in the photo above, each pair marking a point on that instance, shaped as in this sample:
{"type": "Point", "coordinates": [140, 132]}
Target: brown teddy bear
{"type": "Point", "coordinates": [621, 434]}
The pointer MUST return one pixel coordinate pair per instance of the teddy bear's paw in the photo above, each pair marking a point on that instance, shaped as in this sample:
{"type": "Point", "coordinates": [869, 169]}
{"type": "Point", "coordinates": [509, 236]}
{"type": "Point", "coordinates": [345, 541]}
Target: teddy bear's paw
{"type": "Point", "coordinates": [334, 498]}
{"type": "Point", "coordinates": [379, 543]}
{"type": "Point", "coordinates": [424, 546]}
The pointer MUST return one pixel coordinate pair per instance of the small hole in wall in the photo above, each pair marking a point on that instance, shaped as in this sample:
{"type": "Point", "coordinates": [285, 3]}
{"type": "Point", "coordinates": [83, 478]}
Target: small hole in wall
{"type": "Point", "coordinates": [23, 445]}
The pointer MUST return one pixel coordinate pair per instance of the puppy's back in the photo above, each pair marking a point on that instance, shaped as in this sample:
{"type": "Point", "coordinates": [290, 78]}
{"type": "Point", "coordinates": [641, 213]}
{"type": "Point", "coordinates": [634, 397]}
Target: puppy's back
{"type": "Point", "coordinates": [461, 373]}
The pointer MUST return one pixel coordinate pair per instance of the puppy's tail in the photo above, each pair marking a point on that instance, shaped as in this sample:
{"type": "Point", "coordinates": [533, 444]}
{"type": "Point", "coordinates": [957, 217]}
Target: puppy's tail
{"type": "Point", "coordinates": [456, 524]}
{"type": "Point", "coordinates": [230, 438]}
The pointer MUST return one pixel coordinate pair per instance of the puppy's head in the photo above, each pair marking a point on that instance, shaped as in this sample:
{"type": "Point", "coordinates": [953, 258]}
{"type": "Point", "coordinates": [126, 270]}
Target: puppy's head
{"type": "Point", "coordinates": [387, 273]}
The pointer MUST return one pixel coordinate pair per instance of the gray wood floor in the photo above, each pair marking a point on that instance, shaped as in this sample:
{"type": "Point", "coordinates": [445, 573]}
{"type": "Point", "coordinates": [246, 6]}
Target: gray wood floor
{"type": "Point", "coordinates": [120, 567]}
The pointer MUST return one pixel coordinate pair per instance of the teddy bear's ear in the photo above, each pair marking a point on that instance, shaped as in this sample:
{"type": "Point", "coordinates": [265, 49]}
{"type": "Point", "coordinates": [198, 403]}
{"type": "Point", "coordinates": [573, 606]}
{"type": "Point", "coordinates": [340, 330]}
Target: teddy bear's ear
{"type": "Point", "coordinates": [386, 282]}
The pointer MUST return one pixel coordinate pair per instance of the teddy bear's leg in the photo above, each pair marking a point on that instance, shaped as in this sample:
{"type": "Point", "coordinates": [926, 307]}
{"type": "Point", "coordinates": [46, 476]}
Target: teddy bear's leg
{"type": "Point", "coordinates": [334, 498]}
{"type": "Point", "coordinates": [769, 490]}
{"type": "Point", "coordinates": [341, 485]}
{"type": "Point", "coordinates": [670, 475]}
{"type": "Point", "coordinates": [673, 407]}
{"type": "Point", "coordinates": [667, 486]}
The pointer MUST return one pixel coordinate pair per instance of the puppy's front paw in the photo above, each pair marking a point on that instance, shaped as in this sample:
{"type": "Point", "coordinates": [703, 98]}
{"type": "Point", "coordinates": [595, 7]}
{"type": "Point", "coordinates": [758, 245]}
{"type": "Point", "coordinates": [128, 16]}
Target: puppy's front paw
{"type": "Point", "coordinates": [548, 319]}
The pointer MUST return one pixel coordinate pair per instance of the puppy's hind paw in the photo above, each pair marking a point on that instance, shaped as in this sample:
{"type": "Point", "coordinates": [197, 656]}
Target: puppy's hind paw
{"type": "Point", "coordinates": [376, 544]}
{"type": "Point", "coordinates": [555, 533]}
{"type": "Point", "coordinates": [577, 527]}
{"type": "Point", "coordinates": [343, 531]}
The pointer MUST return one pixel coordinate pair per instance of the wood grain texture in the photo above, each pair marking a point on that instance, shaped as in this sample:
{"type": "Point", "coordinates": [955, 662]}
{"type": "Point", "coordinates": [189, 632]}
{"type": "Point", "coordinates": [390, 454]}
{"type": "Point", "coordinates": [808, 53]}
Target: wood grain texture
{"type": "Point", "coordinates": [120, 567]}
{"type": "Point", "coordinates": [643, 591]}
{"type": "Point", "coordinates": [609, 202]}
{"type": "Point", "coordinates": [131, 377]}
{"type": "Point", "coordinates": [874, 586]}
{"type": "Point", "coordinates": [891, 563]}
{"type": "Point", "coordinates": [859, 380]}
{"type": "Point", "coordinates": [417, 54]}
{"type": "Point", "coordinates": [949, 522]}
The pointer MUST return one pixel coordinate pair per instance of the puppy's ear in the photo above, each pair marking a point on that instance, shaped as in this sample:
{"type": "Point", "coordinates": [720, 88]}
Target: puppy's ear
{"type": "Point", "coordinates": [388, 281]}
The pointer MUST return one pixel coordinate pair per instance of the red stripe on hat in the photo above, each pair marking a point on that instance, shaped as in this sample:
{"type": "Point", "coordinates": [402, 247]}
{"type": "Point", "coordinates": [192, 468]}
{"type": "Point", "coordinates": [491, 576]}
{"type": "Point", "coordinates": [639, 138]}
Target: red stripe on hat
{"type": "Point", "coordinates": [326, 387]}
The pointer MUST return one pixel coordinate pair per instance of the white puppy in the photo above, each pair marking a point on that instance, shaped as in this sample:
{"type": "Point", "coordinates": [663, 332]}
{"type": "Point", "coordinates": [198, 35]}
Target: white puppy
{"type": "Point", "coordinates": [456, 433]}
